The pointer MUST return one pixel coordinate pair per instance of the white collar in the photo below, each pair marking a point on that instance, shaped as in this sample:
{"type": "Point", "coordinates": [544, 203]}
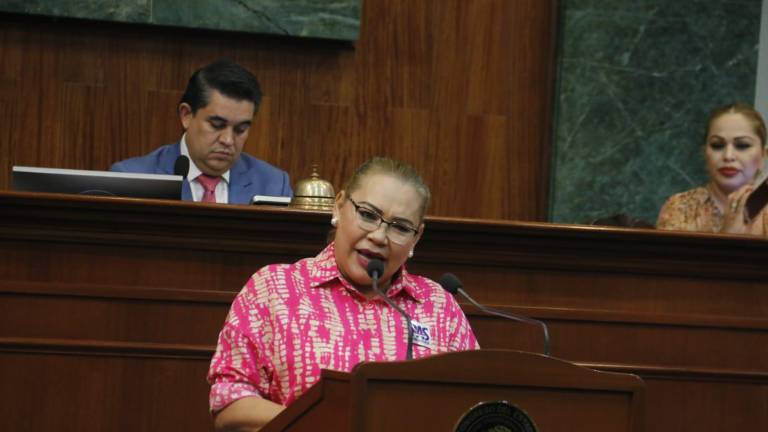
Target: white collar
{"type": "Point", "coordinates": [194, 171]}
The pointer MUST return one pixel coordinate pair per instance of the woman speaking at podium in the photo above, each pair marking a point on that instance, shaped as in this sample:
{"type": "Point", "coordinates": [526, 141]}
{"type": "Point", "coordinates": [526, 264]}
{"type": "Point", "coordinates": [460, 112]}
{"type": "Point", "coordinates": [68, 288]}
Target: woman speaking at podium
{"type": "Point", "coordinates": [292, 320]}
{"type": "Point", "coordinates": [734, 149]}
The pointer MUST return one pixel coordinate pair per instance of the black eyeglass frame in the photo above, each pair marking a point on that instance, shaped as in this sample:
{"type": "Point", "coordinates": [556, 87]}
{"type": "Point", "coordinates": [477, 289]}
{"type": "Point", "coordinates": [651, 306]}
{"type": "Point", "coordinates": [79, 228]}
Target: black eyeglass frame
{"type": "Point", "coordinates": [357, 206]}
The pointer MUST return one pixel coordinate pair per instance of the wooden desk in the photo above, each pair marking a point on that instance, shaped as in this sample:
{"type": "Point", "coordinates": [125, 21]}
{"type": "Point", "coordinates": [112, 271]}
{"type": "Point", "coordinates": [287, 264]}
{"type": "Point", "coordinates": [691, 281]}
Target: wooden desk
{"type": "Point", "coordinates": [109, 308]}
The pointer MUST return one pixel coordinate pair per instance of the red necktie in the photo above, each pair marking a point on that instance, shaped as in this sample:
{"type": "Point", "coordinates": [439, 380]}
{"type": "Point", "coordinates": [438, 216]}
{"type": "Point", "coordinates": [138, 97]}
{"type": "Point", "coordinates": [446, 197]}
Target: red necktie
{"type": "Point", "coordinates": [209, 187]}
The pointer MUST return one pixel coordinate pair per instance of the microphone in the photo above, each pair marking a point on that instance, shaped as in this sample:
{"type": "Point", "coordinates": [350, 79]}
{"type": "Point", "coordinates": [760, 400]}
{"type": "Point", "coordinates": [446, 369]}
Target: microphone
{"type": "Point", "coordinates": [181, 166]}
{"type": "Point", "coordinates": [375, 270]}
{"type": "Point", "coordinates": [453, 285]}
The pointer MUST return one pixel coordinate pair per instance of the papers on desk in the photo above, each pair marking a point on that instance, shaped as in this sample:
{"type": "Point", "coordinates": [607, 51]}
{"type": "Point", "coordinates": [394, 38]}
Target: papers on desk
{"type": "Point", "coordinates": [270, 200]}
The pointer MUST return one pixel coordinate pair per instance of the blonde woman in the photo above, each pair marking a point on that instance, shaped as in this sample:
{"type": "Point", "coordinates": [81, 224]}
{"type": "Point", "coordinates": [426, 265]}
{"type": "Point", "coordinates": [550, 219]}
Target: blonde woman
{"type": "Point", "coordinates": [735, 151]}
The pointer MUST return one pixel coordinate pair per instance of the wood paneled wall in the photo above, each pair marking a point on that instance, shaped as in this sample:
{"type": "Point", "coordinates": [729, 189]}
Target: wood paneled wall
{"type": "Point", "coordinates": [461, 89]}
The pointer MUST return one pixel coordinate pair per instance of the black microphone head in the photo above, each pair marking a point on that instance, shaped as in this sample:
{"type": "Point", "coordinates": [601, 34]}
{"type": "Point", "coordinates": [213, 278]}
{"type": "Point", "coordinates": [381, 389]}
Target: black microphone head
{"type": "Point", "coordinates": [181, 166]}
{"type": "Point", "coordinates": [451, 283]}
{"type": "Point", "coordinates": [375, 266]}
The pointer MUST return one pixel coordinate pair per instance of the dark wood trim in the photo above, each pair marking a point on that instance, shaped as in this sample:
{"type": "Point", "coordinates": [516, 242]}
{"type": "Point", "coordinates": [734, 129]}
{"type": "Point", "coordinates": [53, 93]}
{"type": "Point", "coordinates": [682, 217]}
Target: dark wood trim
{"type": "Point", "coordinates": [105, 348]}
{"type": "Point", "coordinates": [582, 248]}
{"type": "Point", "coordinates": [565, 315]}
{"type": "Point", "coordinates": [683, 374]}
{"type": "Point", "coordinates": [116, 292]}
{"type": "Point", "coordinates": [157, 223]}
{"type": "Point", "coordinates": [225, 298]}
{"type": "Point", "coordinates": [562, 315]}
{"type": "Point", "coordinates": [200, 352]}
{"type": "Point", "coordinates": [548, 113]}
{"type": "Point", "coordinates": [448, 242]}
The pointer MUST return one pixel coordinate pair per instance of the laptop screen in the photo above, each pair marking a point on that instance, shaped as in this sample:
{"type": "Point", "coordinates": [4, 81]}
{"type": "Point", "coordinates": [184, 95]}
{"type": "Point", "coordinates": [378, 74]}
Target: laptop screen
{"type": "Point", "coordinates": [101, 183]}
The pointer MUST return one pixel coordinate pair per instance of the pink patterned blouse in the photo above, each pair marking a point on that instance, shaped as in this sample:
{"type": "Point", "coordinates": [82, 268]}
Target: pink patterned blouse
{"type": "Point", "coordinates": [292, 320]}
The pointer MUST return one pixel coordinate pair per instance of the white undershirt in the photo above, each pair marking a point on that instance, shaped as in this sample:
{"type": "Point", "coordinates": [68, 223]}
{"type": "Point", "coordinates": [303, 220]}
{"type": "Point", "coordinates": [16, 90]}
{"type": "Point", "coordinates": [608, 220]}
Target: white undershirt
{"type": "Point", "coordinates": [222, 188]}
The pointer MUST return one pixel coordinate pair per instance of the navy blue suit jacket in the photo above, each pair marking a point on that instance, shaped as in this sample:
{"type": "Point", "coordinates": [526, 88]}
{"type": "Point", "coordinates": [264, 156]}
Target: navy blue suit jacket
{"type": "Point", "coordinates": [247, 177]}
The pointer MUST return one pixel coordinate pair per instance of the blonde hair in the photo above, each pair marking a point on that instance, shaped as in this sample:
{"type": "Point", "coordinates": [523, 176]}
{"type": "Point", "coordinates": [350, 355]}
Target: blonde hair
{"type": "Point", "coordinates": [397, 169]}
{"type": "Point", "coordinates": [750, 113]}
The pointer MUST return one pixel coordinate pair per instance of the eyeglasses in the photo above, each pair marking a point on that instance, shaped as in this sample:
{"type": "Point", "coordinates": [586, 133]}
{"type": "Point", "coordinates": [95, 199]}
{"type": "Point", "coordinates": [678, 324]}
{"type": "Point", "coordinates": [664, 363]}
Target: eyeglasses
{"type": "Point", "coordinates": [369, 220]}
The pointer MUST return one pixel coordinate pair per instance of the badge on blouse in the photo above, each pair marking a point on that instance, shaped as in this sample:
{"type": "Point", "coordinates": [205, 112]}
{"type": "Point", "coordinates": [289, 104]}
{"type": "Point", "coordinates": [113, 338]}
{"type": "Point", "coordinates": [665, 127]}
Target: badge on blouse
{"type": "Point", "coordinates": [422, 334]}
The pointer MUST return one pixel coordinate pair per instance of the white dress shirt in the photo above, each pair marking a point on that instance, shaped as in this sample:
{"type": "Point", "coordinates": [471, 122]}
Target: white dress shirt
{"type": "Point", "coordinates": [222, 189]}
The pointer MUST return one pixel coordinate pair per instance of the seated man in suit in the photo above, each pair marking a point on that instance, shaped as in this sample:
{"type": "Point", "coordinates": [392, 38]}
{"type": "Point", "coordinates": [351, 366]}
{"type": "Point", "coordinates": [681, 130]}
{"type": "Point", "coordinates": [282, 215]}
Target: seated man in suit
{"type": "Point", "coordinates": [216, 112]}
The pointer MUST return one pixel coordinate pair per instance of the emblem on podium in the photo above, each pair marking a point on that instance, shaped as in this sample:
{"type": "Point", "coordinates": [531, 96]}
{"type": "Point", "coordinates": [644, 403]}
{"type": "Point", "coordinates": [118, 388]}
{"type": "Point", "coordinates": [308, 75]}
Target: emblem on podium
{"type": "Point", "coordinates": [497, 416]}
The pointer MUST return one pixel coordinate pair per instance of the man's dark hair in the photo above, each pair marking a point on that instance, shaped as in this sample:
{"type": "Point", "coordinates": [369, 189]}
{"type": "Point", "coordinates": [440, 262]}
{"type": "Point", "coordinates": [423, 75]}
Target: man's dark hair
{"type": "Point", "coordinates": [230, 79]}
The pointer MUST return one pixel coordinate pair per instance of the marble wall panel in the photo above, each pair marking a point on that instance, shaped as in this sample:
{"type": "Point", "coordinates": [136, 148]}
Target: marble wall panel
{"type": "Point", "coordinates": [636, 81]}
{"type": "Point", "coordinates": [329, 19]}
{"type": "Point", "coordinates": [107, 10]}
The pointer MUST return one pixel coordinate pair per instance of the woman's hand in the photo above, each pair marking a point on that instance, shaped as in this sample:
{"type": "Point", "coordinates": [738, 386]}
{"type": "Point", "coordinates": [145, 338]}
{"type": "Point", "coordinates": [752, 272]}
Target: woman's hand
{"type": "Point", "coordinates": [735, 220]}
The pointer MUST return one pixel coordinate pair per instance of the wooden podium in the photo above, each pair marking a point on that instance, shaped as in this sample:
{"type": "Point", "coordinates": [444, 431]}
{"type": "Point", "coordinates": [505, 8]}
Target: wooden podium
{"type": "Point", "coordinates": [435, 393]}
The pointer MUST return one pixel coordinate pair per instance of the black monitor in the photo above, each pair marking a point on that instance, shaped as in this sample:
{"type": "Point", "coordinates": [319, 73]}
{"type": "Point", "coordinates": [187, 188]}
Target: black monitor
{"type": "Point", "coordinates": [101, 183]}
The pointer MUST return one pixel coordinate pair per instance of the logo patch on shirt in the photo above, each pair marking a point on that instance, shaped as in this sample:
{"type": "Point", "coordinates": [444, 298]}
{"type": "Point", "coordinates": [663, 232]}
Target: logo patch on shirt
{"type": "Point", "coordinates": [422, 334]}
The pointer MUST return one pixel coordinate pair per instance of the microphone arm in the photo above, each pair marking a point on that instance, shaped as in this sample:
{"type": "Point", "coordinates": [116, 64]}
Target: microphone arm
{"type": "Point", "coordinates": [409, 347]}
{"type": "Point", "coordinates": [514, 317]}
